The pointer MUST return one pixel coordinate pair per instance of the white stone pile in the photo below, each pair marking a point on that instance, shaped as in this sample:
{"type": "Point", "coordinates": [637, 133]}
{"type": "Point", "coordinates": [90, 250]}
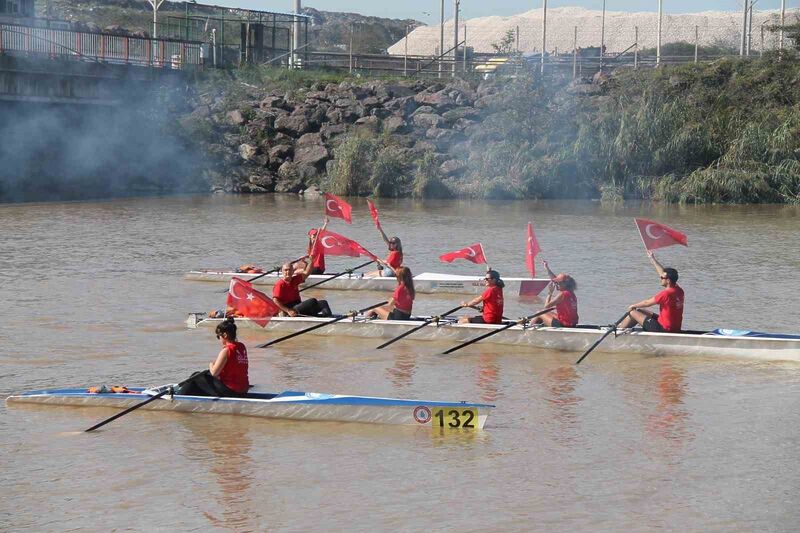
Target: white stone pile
{"type": "Point", "coordinates": [714, 28]}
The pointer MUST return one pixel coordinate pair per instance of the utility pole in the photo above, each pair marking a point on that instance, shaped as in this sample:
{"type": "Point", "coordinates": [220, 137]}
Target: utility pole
{"type": "Point", "coordinates": [405, 55]}
{"type": "Point", "coordinates": [544, 30]}
{"type": "Point", "coordinates": [658, 42]}
{"type": "Point", "coordinates": [603, 34]}
{"type": "Point", "coordinates": [635, 47]}
{"type": "Point", "coordinates": [575, 55]}
{"type": "Point", "coordinates": [750, 29]}
{"type": "Point", "coordinates": [465, 48]}
{"type": "Point", "coordinates": [351, 48]}
{"type": "Point", "coordinates": [296, 33]}
{"type": "Point", "coordinates": [156, 5]}
{"type": "Point", "coordinates": [743, 44]}
{"type": "Point", "coordinates": [456, 4]}
{"type": "Point", "coordinates": [441, 38]}
{"type": "Point", "coordinates": [783, 21]}
{"type": "Point", "coordinates": [696, 41]}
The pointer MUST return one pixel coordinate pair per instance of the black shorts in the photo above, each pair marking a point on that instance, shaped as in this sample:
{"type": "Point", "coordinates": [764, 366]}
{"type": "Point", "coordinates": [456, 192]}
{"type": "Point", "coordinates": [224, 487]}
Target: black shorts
{"type": "Point", "coordinates": [316, 271]}
{"type": "Point", "coordinates": [397, 314]}
{"type": "Point", "coordinates": [556, 323]}
{"type": "Point", "coordinates": [651, 324]}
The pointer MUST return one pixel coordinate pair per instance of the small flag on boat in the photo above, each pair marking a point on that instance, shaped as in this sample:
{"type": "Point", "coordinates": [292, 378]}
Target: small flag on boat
{"type": "Point", "coordinates": [531, 250]}
{"type": "Point", "coordinates": [331, 243]}
{"type": "Point", "coordinates": [337, 208]}
{"type": "Point", "coordinates": [655, 235]}
{"type": "Point", "coordinates": [472, 253]}
{"type": "Point", "coordinates": [250, 303]}
{"type": "Point", "coordinates": [374, 212]}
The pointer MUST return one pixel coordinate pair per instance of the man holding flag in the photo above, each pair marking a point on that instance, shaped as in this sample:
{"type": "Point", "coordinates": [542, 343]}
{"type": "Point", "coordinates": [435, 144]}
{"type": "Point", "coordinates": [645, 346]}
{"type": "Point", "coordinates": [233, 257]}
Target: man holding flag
{"type": "Point", "coordinates": [670, 300]}
{"type": "Point", "coordinates": [286, 294]}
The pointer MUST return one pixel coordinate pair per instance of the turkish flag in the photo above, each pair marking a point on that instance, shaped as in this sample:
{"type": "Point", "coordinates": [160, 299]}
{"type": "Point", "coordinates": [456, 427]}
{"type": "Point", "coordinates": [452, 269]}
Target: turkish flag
{"type": "Point", "coordinates": [655, 235]}
{"type": "Point", "coordinates": [331, 243]}
{"type": "Point", "coordinates": [472, 253]}
{"type": "Point", "coordinates": [337, 208]}
{"type": "Point", "coordinates": [531, 249]}
{"type": "Point", "coordinates": [250, 303]}
{"type": "Point", "coordinates": [374, 212]}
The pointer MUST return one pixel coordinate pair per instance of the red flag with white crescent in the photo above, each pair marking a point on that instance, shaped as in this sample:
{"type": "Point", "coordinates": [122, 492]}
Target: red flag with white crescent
{"type": "Point", "coordinates": [472, 253]}
{"type": "Point", "coordinates": [337, 208]}
{"type": "Point", "coordinates": [331, 243]}
{"type": "Point", "coordinates": [374, 212]}
{"type": "Point", "coordinates": [656, 235]}
{"type": "Point", "coordinates": [250, 303]}
{"type": "Point", "coordinates": [531, 249]}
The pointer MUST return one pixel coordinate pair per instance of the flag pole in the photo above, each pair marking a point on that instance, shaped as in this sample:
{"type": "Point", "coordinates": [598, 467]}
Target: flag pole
{"type": "Point", "coordinates": [641, 236]}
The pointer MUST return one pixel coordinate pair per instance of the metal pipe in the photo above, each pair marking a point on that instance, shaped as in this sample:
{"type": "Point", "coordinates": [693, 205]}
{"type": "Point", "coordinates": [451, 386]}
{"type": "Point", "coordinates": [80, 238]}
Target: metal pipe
{"type": "Point", "coordinates": [750, 30]}
{"type": "Point", "coordinates": [636, 47]}
{"type": "Point", "coordinates": [351, 48]}
{"type": "Point", "coordinates": [214, 45]}
{"type": "Point", "coordinates": [465, 48]}
{"type": "Point", "coordinates": [658, 42]}
{"type": "Point", "coordinates": [295, 33]}
{"type": "Point", "coordinates": [696, 41]}
{"type": "Point", "coordinates": [544, 30]}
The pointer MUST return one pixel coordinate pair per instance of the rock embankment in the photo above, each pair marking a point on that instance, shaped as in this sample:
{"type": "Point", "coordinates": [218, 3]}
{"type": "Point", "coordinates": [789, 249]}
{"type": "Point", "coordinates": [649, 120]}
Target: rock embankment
{"type": "Point", "coordinates": [285, 141]}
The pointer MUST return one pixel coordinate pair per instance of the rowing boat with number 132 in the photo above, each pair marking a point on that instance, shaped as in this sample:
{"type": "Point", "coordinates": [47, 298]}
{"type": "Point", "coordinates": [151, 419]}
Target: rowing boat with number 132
{"type": "Point", "coordinates": [308, 406]}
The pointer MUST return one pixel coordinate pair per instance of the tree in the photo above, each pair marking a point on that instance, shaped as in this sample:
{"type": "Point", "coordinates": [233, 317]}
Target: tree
{"type": "Point", "coordinates": [506, 44]}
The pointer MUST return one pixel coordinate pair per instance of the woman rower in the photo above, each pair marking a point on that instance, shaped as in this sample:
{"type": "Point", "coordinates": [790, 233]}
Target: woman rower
{"type": "Point", "coordinates": [566, 303]}
{"type": "Point", "coordinates": [227, 374]}
{"type": "Point", "coordinates": [286, 293]}
{"type": "Point", "coordinates": [399, 306]}
{"type": "Point", "coordinates": [388, 266]}
{"type": "Point", "coordinates": [317, 261]}
{"type": "Point", "coordinates": [492, 299]}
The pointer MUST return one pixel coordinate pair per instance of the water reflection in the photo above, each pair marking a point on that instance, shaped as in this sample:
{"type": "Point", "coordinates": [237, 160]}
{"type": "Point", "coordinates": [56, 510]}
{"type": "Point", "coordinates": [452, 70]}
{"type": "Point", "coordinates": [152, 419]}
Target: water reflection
{"type": "Point", "coordinates": [560, 384]}
{"type": "Point", "coordinates": [668, 419]}
{"type": "Point", "coordinates": [229, 460]}
{"type": "Point", "coordinates": [487, 377]}
{"type": "Point", "coordinates": [405, 365]}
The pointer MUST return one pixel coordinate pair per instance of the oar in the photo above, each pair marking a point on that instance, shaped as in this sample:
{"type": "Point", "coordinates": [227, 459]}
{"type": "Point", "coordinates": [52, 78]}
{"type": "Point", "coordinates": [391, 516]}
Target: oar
{"type": "Point", "coordinates": [424, 323]}
{"type": "Point", "coordinates": [611, 329]}
{"type": "Point", "coordinates": [267, 273]}
{"type": "Point", "coordinates": [348, 271]}
{"type": "Point", "coordinates": [168, 390]}
{"type": "Point", "coordinates": [523, 320]}
{"type": "Point", "coordinates": [321, 325]}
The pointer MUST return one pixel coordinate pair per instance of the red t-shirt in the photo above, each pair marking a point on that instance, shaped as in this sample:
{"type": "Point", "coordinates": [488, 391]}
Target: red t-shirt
{"type": "Point", "coordinates": [395, 259]}
{"type": "Point", "coordinates": [234, 373]}
{"type": "Point", "coordinates": [493, 305]}
{"type": "Point", "coordinates": [567, 309]}
{"type": "Point", "coordinates": [288, 291]}
{"type": "Point", "coordinates": [402, 299]}
{"type": "Point", "coordinates": [670, 308]}
{"type": "Point", "coordinates": [318, 261]}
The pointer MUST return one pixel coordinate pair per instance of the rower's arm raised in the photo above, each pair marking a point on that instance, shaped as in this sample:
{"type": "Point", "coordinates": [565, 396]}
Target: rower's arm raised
{"type": "Point", "coordinates": [656, 264]}
{"type": "Point", "coordinates": [550, 273]}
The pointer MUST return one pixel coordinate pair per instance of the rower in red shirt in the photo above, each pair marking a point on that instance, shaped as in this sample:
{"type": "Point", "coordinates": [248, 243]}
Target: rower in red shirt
{"type": "Point", "coordinates": [669, 318]}
{"type": "Point", "coordinates": [317, 261]}
{"type": "Point", "coordinates": [387, 267]}
{"type": "Point", "coordinates": [227, 375]}
{"type": "Point", "coordinates": [566, 303]}
{"type": "Point", "coordinates": [399, 306]}
{"type": "Point", "coordinates": [492, 299]}
{"type": "Point", "coordinates": [286, 294]}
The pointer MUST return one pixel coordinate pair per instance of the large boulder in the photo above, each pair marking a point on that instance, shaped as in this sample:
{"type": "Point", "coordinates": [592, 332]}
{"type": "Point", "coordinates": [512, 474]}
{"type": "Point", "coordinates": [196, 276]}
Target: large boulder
{"type": "Point", "coordinates": [271, 101]}
{"type": "Point", "coordinates": [294, 125]}
{"type": "Point", "coordinates": [441, 100]}
{"type": "Point", "coordinates": [371, 124]}
{"type": "Point", "coordinates": [404, 105]}
{"type": "Point", "coordinates": [452, 167]}
{"type": "Point", "coordinates": [289, 178]}
{"type": "Point", "coordinates": [280, 152]}
{"type": "Point", "coordinates": [428, 120]}
{"type": "Point", "coordinates": [309, 139]}
{"type": "Point", "coordinates": [453, 115]}
{"type": "Point", "coordinates": [330, 131]}
{"type": "Point", "coordinates": [247, 151]}
{"type": "Point", "coordinates": [235, 117]}
{"type": "Point", "coordinates": [311, 154]}
{"type": "Point", "coordinates": [394, 124]}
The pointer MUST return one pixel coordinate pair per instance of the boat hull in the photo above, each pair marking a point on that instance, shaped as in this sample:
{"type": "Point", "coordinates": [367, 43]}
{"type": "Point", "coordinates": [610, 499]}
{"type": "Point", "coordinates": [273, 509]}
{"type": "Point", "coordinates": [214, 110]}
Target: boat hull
{"type": "Point", "coordinates": [561, 339]}
{"type": "Point", "coordinates": [288, 405]}
{"type": "Point", "coordinates": [426, 283]}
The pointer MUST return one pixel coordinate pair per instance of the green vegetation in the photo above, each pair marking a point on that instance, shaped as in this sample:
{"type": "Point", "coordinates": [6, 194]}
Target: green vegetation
{"type": "Point", "coordinates": [727, 131]}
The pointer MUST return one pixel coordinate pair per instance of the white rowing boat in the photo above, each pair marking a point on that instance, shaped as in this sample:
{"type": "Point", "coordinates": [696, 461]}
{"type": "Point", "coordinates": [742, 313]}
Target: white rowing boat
{"type": "Point", "coordinates": [425, 283]}
{"type": "Point", "coordinates": [725, 343]}
{"type": "Point", "coordinates": [293, 405]}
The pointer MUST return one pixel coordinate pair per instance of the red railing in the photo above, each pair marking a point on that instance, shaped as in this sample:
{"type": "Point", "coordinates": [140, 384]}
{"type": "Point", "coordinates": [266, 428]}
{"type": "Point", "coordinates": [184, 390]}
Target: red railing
{"type": "Point", "coordinates": [100, 47]}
